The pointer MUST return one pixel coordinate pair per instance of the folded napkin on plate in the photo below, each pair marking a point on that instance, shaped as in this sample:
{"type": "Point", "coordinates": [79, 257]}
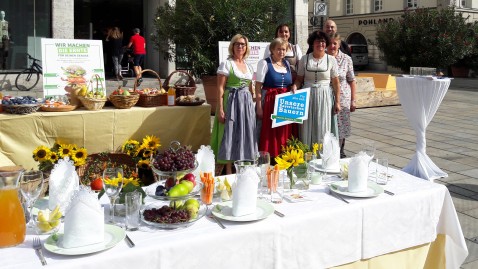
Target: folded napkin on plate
{"type": "Point", "coordinates": [332, 150]}
{"type": "Point", "coordinates": [84, 221]}
{"type": "Point", "coordinates": [358, 172]}
{"type": "Point", "coordinates": [63, 183]}
{"type": "Point", "coordinates": [244, 192]}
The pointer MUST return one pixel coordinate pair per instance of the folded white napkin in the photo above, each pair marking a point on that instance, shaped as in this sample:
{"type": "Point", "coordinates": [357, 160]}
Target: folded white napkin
{"type": "Point", "coordinates": [84, 221]}
{"type": "Point", "coordinates": [244, 192]}
{"type": "Point", "coordinates": [206, 161]}
{"type": "Point", "coordinates": [358, 172]}
{"type": "Point", "coordinates": [64, 181]}
{"type": "Point", "coordinates": [331, 149]}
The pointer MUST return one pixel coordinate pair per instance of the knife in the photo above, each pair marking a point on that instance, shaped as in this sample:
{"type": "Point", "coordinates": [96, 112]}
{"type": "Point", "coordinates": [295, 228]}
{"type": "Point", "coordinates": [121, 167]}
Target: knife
{"type": "Point", "coordinates": [338, 196]}
{"type": "Point", "coordinates": [388, 192]}
{"type": "Point", "coordinates": [217, 221]}
{"type": "Point", "coordinates": [129, 241]}
{"type": "Point", "coordinates": [279, 214]}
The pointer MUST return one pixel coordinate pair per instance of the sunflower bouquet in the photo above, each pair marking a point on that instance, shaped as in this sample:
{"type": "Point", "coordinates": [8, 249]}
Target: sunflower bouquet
{"type": "Point", "coordinates": [130, 184]}
{"type": "Point", "coordinates": [141, 152]}
{"type": "Point", "coordinates": [293, 160]}
{"type": "Point", "coordinates": [48, 157]}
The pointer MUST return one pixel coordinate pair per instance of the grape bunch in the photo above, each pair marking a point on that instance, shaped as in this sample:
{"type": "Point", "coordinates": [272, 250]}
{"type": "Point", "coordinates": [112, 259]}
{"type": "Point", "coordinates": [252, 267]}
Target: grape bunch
{"type": "Point", "coordinates": [175, 160]}
{"type": "Point", "coordinates": [20, 100]}
{"type": "Point", "coordinates": [166, 214]}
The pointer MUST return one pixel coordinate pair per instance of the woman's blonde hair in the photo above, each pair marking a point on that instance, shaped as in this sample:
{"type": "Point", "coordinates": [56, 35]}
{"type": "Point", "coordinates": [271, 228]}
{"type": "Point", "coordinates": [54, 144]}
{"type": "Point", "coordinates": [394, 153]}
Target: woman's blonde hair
{"type": "Point", "coordinates": [278, 42]}
{"type": "Point", "coordinates": [116, 33]}
{"type": "Point", "coordinates": [234, 40]}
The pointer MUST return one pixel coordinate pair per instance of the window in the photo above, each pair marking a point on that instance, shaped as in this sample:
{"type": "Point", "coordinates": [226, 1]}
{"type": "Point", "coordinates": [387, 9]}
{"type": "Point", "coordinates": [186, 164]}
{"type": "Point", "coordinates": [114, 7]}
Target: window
{"type": "Point", "coordinates": [412, 3]}
{"type": "Point", "coordinates": [28, 21]}
{"type": "Point", "coordinates": [349, 7]}
{"type": "Point", "coordinates": [377, 6]}
{"type": "Point", "coordinates": [463, 3]}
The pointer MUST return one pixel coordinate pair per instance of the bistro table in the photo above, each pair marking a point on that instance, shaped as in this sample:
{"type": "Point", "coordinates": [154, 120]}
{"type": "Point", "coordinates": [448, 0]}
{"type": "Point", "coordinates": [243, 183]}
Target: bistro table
{"type": "Point", "coordinates": [103, 130]}
{"type": "Point", "coordinates": [420, 97]}
{"type": "Point", "coordinates": [415, 228]}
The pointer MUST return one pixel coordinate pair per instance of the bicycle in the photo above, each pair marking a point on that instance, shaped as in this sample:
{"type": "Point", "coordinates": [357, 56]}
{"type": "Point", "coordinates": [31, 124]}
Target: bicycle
{"type": "Point", "coordinates": [29, 77]}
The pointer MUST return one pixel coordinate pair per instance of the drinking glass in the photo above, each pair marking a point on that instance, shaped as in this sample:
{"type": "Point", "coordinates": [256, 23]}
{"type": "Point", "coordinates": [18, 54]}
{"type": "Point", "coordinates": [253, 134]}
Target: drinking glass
{"type": "Point", "coordinates": [132, 205]}
{"type": "Point", "coordinates": [31, 185]}
{"type": "Point", "coordinates": [263, 164]}
{"type": "Point", "coordinates": [112, 185]}
{"type": "Point", "coordinates": [324, 155]}
{"type": "Point", "coordinates": [274, 186]}
{"type": "Point", "coordinates": [381, 172]}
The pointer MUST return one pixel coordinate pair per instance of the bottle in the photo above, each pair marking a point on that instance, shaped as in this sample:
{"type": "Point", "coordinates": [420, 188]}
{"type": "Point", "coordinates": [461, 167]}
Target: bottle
{"type": "Point", "coordinates": [171, 96]}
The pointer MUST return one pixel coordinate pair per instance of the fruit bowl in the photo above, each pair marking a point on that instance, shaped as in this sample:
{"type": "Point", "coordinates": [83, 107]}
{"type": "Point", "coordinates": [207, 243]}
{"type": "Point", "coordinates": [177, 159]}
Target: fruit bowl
{"type": "Point", "coordinates": [152, 211]}
{"type": "Point", "coordinates": [151, 192]}
{"type": "Point", "coordinates": [163, 175]}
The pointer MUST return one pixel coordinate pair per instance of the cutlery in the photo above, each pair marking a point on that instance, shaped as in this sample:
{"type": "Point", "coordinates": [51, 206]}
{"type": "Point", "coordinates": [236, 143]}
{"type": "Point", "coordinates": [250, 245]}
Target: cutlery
{"type": "Point", "coordinates": [338, 196]}
{"type": "Point", "coordinates": [129, 241]}
{"type": "Point", "coordinates": [279, 214]}
{"type": "Point", "coordinates": [217, 221]}
{"type": "Point", "coordinates": [388, 192]}
{"type": "Point", "coordinates": [38, 248]}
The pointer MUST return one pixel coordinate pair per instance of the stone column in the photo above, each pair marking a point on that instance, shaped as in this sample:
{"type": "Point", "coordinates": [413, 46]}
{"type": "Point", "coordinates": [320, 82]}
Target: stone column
{"type": "Point", "coordinates": [63, 23]}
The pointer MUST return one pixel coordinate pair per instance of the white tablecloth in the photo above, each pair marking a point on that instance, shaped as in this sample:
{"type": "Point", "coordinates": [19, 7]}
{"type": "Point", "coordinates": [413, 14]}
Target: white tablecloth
{"type": "Point", "coordinates": [321, 233]}
{"type": "Point", "coordinates": [420, 98]}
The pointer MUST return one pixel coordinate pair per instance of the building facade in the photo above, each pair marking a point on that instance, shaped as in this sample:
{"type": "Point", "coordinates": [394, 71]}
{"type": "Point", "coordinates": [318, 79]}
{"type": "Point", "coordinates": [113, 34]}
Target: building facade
{"type": "Point", "coordinates": [357, 19]}
{"type": "Point", "coordinates": [31, 20]}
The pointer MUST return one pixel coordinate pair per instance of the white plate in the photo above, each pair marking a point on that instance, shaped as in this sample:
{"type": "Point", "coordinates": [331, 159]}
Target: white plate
{"type": "Point", "coordinates": [224, 211]}
{"type": "Point", "coordinates": [113, 235]}
{"type": "Point", "coordinates": [341, 187]}
{"type": "Point", "coordinates": [317, 164]}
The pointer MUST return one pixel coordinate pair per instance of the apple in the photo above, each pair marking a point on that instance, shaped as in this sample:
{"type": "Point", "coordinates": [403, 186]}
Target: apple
{"type": "Point", "coordinates": [96, 185]}
{"type": "Point", "coordinates": [191, 177]}
{"type": "Point", "coordinates": [170, 182]}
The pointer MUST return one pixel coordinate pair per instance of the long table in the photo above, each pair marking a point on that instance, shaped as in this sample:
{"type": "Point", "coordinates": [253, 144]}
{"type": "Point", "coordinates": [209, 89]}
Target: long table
{"type": "Point", "coordinates": [103, 130]}
{"type": "Point", "coordinates": [415, 228]}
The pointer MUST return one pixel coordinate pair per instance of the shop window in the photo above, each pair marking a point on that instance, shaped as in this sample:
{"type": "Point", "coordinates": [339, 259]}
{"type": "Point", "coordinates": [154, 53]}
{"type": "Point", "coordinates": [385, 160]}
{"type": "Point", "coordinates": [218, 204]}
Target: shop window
{"type": "Point", "coordinates": [377, 6]}
{"type": "Point", "coordinates": [28, 21]}
{"type": "Point", "coordinates": [412, 3]}
{"type": "Point", "coordinates": [349, 7]}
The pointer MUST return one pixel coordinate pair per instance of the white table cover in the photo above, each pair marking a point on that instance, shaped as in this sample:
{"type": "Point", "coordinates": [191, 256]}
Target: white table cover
{"type": "Point", "coordinates": [420, 98]}
{"type": "Point", "coordinates": [321, 233]}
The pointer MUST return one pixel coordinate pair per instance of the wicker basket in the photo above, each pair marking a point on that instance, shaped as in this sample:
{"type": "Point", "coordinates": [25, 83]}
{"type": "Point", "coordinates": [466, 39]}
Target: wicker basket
{"type": "Point", "coordinates": [183, 88]}
{"type": "Point", "coordinates": [96, 163]}
{"type": "Point", "coordinates": [21, 109]}
{"type": "Point", "coordinates": [92, 103]}
{"type": "Point", "coordinates": [146, 100]}
{"type": "Point", "coordinates": [124, 101]}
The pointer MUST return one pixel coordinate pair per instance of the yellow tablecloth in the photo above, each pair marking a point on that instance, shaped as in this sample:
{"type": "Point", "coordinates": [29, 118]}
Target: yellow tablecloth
{"type": "Point", "coordinates": [104, 130]}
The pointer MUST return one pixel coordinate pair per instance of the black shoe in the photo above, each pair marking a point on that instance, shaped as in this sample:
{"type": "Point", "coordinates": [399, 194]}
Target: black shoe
{"type": "Point", "coordinates": [342, 155]}
{"type": "Point", "coordinates": [139, 81]}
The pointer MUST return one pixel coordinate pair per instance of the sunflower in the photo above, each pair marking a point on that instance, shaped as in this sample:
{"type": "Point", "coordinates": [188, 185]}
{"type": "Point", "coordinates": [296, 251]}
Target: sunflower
{"type": "Point", "coordinates": [53, 156]}
{"type": "Point", "coordinates": [130, 147]}
{"type": "Point", "coordinates": [151, 142]}
{"type": "Point", "coordinates": [316, 147]}
{"type": "Point", "coordinates": [144, 164]}
{"type": "Point", "coordinates": [65, 150]}
{"type": "Point", "coordinates": [41, 153]}
{"type": "Point", "coordinates": [147, 153]}
{"type": "Point", "coordinates": [79, 156]}
{"type": "Point", "coordinates": [132, 180]}
{"type": "Point", "coordinates": [114, 181]}
{"type": "Point", "coordinates": [290, 158]}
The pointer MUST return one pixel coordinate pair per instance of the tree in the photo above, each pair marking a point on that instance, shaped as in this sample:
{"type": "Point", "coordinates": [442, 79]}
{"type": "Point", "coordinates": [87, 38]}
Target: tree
{"type": "Point", "coordinates": [191, 29]}
{"type": "Point", "coordinates": [426, 37]}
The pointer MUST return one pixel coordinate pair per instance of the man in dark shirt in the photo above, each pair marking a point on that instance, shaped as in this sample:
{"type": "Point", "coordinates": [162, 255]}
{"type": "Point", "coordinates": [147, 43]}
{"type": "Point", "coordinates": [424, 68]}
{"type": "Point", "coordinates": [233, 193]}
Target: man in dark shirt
{"type": "Point", "coordinates": [330, 28]}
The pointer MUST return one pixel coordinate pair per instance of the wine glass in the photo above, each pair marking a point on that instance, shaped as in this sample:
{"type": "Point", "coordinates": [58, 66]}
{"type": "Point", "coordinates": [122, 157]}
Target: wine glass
{"type": "Point", "coordinates": [324, 155]}
{"type": "Point", "coordinates": [112, 185]}
{"type": "Point", "coordinates": [369, 148]}
{"type": "Point", "coordinates": [263, 164]}
{"type": "Point", "coordinates": [31, 185]}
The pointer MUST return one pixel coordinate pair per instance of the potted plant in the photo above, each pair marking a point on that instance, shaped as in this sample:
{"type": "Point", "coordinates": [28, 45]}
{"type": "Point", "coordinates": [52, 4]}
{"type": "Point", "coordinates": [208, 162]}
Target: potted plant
{"type": "Point", "coordinates": [189, 31]}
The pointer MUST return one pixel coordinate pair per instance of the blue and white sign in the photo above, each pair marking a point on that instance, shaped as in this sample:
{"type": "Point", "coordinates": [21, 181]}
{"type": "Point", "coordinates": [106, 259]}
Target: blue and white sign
{"type": "Point", "coordinates": [291, 108]}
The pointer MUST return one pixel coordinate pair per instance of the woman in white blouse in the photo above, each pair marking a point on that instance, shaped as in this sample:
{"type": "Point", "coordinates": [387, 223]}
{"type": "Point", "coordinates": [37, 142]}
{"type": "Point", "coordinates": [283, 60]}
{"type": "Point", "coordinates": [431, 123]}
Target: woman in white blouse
{"type": "Point", "coordinates": [233, 136]}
